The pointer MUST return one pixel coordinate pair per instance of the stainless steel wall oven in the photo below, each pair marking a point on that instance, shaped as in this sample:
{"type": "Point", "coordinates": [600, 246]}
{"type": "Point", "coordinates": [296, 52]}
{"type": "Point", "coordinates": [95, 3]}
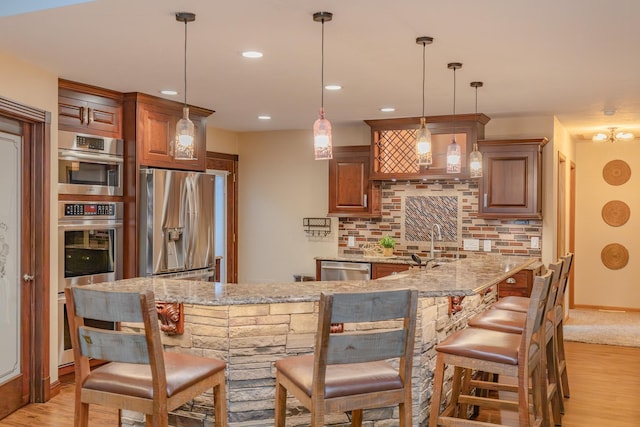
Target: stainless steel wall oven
{"type": "Point", "coordinates": [89, 251]}
{"type": "Point", "coordinates": [89, 164]}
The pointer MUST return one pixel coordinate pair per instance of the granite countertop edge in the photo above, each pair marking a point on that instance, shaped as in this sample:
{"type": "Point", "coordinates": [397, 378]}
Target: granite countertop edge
{"type": "Point", "coordinates": [457, 278]}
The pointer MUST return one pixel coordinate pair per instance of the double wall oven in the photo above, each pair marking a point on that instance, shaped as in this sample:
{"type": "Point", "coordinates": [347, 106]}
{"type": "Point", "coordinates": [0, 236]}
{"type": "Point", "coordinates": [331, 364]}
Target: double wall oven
{"type": "Point", "coordinates": [89, 251]}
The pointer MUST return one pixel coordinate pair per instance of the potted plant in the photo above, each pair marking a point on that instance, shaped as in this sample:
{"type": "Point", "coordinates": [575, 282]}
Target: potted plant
{"type": "Point", "coordinates": [387, 243]}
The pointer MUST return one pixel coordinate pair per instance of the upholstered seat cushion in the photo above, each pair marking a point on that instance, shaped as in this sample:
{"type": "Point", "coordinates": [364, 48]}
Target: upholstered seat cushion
{"type": "Point", "coordinates": [182, 370]}
{"type": "Point", "coordinates": [341, 380]}
{"type": "Point", "coordinates": [483, 344]}
{"type": "Point", "coordinates": [500, 320]}
{"type": "Point", "coordinates": [512, 303]}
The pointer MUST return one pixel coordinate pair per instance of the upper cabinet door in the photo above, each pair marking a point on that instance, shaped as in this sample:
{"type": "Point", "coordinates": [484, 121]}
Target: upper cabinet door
{"type": "Point", "coordinates": [511, 185]}
{"type": "Point", "coordinates": [351, 194]}
{"type": "Point", "coordinates": [88, 109]}
{"type": "Point", "coordinates": [151, 122]}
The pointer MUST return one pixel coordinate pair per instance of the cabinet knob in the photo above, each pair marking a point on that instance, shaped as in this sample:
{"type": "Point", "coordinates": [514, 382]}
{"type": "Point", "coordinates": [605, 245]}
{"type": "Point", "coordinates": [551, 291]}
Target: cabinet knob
{"type": "Point", "coordinates": [365, 200]}
{"type": "Point", "coordinates": [485, 200]}
{"type": "Point", "coordinates": [511, 281]}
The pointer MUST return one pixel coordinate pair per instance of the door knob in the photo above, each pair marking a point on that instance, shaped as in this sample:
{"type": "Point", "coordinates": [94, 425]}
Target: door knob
{"type": "Point", "coordinates": [27, 278]}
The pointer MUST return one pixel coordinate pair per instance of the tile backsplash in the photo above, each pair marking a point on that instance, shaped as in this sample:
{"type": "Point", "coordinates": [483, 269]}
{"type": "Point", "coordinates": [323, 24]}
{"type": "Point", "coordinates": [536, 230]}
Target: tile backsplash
{"type": "Point", "coordinates": [410, 210]}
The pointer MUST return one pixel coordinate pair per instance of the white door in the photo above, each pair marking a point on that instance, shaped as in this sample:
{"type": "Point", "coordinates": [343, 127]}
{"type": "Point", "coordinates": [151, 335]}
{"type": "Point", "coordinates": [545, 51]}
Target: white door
{"type": "Point", "coordinates": [11, 368]}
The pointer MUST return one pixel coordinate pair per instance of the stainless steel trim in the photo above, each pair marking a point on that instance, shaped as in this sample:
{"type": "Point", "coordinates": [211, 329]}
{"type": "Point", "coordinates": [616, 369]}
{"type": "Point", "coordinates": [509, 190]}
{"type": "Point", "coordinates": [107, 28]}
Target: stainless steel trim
{"type": "Point", "coordinates": [105, 159]}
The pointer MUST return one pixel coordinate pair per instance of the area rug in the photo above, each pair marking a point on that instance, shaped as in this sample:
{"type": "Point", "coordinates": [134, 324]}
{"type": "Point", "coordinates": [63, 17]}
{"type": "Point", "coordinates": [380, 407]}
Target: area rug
{"type": "Point", "coordinates": [603, 327]}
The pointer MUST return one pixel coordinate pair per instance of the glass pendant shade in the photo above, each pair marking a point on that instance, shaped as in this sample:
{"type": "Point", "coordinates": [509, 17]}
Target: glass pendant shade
{"type": "Point", "coordinates": [423, 145]}
{"type": "Point", "coordinates": [453, 157]}
{"type": "Point", "coordinates": [322, 146]}
{"type": "Point", "coordinates": [475, 162]}
{"type": "Point", "coordinates": [185, 137]}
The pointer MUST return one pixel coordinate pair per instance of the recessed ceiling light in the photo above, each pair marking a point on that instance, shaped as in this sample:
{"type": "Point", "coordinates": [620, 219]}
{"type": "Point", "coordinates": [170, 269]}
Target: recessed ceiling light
{"type": "Point", "coordinates": [387, 109]}
{"type": "Point", "coordinates": [252, 54]}
{"type": "Point", "coordinates": [264, 117]}
{"type": "Point", "coordinates": [169, 92]}
{"type": "Point", "coordinates": [333, 87]}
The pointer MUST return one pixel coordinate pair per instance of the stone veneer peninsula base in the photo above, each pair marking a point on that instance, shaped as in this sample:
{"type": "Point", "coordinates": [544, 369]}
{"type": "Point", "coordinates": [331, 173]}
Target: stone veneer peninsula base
{"type": "Point", "coordinates": [252, 326]}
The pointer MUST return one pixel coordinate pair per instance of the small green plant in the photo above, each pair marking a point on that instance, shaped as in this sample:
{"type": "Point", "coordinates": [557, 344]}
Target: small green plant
{"type": "Point", "coordinates": [387, 242]}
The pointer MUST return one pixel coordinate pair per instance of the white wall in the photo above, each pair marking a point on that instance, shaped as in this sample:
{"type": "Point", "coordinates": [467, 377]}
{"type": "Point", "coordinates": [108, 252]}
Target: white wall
{"type": "Point", "coordinates": [222, 141]}
{"type": "Point", "coordinates": [280, 184]}
{"type": "Point", "coordinates": [596, 285]}
{"type": "Point", "coordinates": [32, 86]}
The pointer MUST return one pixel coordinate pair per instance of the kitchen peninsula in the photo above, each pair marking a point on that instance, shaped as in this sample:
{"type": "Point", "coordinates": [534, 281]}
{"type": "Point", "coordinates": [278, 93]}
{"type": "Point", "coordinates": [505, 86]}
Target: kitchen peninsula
{"type": "Point", "coordinates": [253, 325]}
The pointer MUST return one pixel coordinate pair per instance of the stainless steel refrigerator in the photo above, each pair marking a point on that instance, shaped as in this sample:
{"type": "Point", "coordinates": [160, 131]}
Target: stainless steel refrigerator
{"type": "Point", "coordinates": [177, 224]}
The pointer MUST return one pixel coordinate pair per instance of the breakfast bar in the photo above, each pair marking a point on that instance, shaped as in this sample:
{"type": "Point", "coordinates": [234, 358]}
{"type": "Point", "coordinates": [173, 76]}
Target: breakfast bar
{"type": "Point", "coordinates": [250, 326]}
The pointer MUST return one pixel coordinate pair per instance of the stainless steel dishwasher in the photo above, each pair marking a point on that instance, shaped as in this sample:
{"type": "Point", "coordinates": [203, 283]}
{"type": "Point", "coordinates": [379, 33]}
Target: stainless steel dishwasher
{"type": "Point", "coordinates": [345, 270]}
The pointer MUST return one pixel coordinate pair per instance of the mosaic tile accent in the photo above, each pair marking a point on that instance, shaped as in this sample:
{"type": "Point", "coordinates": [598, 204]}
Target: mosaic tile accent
{"type": "Point", "coordinates": [412, 234]}
{"type": "Point", "coordinates": [422, 212]}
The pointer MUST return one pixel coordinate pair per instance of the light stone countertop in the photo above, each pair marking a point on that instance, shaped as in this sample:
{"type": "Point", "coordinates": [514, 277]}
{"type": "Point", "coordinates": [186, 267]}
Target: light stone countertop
{"type": "Point", "coordinates": [461, 277]}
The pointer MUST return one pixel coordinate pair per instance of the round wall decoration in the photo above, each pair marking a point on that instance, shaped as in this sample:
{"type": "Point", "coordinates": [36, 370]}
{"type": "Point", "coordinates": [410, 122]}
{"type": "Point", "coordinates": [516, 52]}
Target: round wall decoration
{"type": "Point", "coordinates": [614, 256]}
{"type": "Point", "coordinates": [616, 172]}
{"type": "Point", "coordinates": [616, 213]}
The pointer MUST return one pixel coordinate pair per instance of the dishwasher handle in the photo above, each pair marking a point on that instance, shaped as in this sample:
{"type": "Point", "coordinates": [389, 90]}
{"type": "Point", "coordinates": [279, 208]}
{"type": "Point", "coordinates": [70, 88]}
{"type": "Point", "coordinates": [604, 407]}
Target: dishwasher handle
{"type": "Point", "coordinates": [328, 267]}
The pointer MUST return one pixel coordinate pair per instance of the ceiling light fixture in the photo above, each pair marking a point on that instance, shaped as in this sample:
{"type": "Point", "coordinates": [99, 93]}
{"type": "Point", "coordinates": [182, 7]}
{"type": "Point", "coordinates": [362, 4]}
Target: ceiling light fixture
{"type": "Point", "coordinates": [475, 158]}
{"type": "Point", "coordinates": [424, 154]}
{"type": "Point", "coordinates": [322, 147]}
{"type": "Point", "coordinates": [185, 130]}
{"type": "Point", "coordinates": [612, 136]}
{"type": "Point", "coordinates": [454, 158]}
{"type": "Point", "coordinates": [252, 54]}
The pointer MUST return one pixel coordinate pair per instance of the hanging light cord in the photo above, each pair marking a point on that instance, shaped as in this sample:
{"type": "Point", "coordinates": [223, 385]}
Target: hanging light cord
{"type": "Point", "coordinates": [185, 63]}
{"type": "Point", "coordinates": [424, 48]}
{"type": "Point", "coordinates": [454, 104]}
{"type": "Point", "coordinates": [322, 72]}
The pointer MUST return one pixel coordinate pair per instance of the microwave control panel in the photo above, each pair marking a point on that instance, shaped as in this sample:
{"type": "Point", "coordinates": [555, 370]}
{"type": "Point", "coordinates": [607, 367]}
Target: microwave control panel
{"type": "Point", "coordinates": [90, 142]}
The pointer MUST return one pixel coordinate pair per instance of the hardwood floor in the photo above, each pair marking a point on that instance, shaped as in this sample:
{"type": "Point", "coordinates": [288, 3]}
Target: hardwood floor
{"type": "Point", "coordinates": [604, 380]}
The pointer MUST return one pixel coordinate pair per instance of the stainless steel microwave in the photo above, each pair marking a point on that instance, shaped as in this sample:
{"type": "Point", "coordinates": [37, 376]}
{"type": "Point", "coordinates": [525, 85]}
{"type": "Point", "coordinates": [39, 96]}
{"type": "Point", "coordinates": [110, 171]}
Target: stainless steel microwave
{"type": "Point", "coordinates": [89, 164]}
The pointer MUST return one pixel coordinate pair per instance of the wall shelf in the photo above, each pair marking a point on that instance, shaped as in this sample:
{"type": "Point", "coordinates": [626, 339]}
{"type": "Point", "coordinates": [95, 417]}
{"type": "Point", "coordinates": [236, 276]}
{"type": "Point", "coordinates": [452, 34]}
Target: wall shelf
{"type": "Point", "coordinates": [317, 226]}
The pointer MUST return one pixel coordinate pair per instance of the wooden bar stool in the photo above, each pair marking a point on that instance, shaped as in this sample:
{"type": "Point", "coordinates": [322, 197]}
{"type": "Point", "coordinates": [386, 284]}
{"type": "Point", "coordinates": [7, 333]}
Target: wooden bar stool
{"type": "Point", "coordinates": [349, 371]}
{"type": "Point", "coordinates": [493, 352]}
{"type": "Point", "coordinates": [559, 321]}
{"type": "Point", "coordinates": [515, 321]}
{"type": "Point", "coordinates": [141, 377]}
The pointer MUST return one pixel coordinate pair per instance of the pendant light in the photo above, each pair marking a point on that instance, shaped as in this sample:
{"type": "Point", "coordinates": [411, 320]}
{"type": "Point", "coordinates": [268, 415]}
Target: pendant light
{"type": "Point", "coordinates": [322, 147]}
{"type": "Point", "coordinates": [423, 136]}
{"type": "Point", "coordinates": [454, 161]}
{"type": "Point", "coordinates": [475, 159]}
{"type": "Point", "coordinates": [185, 130]}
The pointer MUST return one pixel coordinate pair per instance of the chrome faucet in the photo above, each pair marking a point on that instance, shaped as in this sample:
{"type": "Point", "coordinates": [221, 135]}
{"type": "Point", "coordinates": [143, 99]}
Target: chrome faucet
{"type": "Point", "coordinates": [434, 227]}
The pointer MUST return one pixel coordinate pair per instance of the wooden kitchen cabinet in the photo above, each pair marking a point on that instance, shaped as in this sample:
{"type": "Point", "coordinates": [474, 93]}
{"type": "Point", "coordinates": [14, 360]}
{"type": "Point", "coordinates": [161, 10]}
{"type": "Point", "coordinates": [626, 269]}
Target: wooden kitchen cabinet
{"type": "Point", "coordinates": [151, 123]}
{"type": "Point", "coordinates": [519, 284]}
{"type": "Point", "coordinates": [511, 185]}
{"type": "Point", "coordinates": [89, 109]}
{"type": "Point", "coordinates": [379, 269]}
{"type": "Point", "coordinates": [351, 193]}
{"type": "Point", "coordinates": [393, 146]}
